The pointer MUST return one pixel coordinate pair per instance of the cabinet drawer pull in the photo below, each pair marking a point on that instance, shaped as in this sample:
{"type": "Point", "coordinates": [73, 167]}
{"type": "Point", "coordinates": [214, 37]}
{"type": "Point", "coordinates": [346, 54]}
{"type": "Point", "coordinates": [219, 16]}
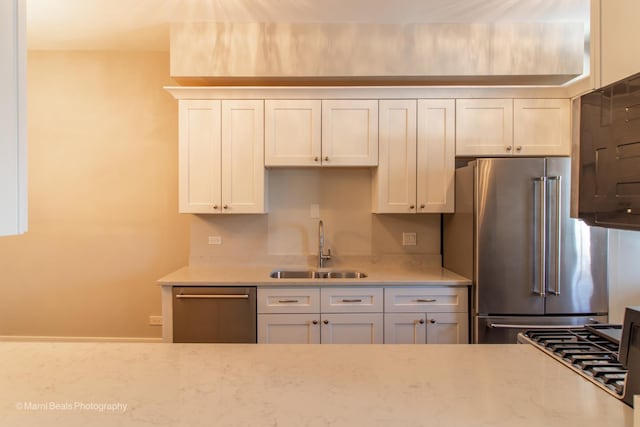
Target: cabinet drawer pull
{"type": "Point", "coordinates": [426, 300]}
{"type": "Point", "coordinates": [351, 300]}
{"type": "Point", "coordinates": [287, 301]}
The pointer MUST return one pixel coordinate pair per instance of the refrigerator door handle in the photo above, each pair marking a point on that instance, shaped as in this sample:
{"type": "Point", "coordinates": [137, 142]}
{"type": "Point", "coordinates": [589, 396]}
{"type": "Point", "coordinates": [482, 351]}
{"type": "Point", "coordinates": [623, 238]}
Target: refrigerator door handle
{"type": "Point", "coordinates": [525, 326]}
{"type": "Point", "coordinates": [542, 236]}
{"type": "Point", "coordinates": [558, 231]}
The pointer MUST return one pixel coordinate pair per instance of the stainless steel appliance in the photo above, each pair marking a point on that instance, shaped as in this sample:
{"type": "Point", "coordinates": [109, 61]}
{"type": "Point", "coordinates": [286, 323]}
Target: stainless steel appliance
{"type": "Point", "coordinates": [590, 351]}
{"type": "Point", "coordinates": [531, 265]}
{"type": "Point", "coordinates": [214, 314]}
{"type": "Point", "coordinates": [606, 355]}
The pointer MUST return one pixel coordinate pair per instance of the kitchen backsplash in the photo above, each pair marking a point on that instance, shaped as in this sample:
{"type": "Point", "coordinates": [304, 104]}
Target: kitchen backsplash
{"type": "Point", "coordinates": [344, 199]}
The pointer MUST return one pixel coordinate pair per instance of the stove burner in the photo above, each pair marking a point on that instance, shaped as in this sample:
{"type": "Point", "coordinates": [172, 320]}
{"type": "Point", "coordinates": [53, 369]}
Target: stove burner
{"type": "Point", "coordinates": [593, 355]}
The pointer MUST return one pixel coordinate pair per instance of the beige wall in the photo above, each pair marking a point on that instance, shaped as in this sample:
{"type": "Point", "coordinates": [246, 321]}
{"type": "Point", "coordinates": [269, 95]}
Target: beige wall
{"type": "Point", "coordinates": [103, 221]}
{"type": "Point", "coordinates": [344, 198]}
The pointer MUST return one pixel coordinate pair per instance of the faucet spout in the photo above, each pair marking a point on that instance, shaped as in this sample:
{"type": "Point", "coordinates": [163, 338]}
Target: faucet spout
{"type": "Point", "coordinates": [322, 257]}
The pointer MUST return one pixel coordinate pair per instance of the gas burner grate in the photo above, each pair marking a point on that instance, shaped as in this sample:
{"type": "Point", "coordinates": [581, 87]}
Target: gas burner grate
{"type": "Point", "coordinates": [590, 354]}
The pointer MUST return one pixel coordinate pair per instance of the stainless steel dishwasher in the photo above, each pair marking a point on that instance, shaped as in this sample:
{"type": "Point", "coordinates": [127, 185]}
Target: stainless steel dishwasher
{"type": "Point", "coordinates": [214, 314]}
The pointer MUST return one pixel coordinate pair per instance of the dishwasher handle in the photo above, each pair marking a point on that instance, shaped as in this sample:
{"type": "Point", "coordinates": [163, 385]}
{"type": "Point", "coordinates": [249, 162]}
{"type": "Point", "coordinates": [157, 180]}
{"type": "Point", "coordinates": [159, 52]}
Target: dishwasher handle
{"type": "Point", "coordinates": [212, 296]}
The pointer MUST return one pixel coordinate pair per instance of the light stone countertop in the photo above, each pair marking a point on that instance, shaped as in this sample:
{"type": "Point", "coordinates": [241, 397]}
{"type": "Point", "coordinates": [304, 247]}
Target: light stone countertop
{"type": "Point", "coordinates": [67, 385]}
{"type": "Point", "coordinates": [378, 274]}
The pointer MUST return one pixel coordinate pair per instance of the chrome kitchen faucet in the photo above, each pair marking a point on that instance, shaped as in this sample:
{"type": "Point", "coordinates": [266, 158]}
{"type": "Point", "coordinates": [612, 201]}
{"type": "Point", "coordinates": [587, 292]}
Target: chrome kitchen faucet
{"type": "Point", "coordinates": [321, 255]}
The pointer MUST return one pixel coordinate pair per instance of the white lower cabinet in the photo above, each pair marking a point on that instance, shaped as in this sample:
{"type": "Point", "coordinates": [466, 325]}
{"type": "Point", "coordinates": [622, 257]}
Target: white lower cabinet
{"type": "Point", "coordinates": [426, 328]}
{"type": "Point", "coordinates": [289, 328]}
{"type": "Point", "coordinates": [426, 315]}
{"type": "Point", "coordinates": [352, 328]}
{"type": "Point", "coordinates": [362, 315]}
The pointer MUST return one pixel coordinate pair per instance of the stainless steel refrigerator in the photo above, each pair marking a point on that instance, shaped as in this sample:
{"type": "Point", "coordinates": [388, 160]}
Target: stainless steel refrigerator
{"type": "Point", "coordinates": [532, 265]}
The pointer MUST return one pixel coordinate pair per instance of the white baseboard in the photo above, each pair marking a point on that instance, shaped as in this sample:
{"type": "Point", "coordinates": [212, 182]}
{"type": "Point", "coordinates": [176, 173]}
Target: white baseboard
{"type": "Point", "coordinates": [26, 338]}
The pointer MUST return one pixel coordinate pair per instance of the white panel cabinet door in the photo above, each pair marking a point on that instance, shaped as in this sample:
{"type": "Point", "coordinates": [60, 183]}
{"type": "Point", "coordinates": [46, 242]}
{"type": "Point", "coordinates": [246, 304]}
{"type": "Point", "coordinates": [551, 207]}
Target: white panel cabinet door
{"type": "Point", "coordinates": [350, 132]}
{"type": "Point", "coordinates": [541, 127]}
{"type": "Point", "coordinates": [360, 328]}
{"type": "Point", "coordinates": [292, 132]}
{"type": "Point", "coordinates": [436, 155]}
{"type": "Point", "coordinates": [405, 328]}
{"type": "Point", "coordinates": [13, 118]}
{"type": "Point", "coordinates": [199, 156]}
{"type": "Point", "coordinates": [447, 328]}
{"type": "Point", "coordinates": [288, 329]}
{"type": "Point", "coordinates": [243, 173]}
{"type": "Point", "coordinates": [484, 127]}
{"type": "Point", "coordinates": [394, 181]}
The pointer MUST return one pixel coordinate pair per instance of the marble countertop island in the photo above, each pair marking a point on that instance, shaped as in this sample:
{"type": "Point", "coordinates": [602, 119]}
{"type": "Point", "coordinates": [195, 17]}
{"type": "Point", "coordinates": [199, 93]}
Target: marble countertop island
{"type": "Point", "coordinates": [135, 385]}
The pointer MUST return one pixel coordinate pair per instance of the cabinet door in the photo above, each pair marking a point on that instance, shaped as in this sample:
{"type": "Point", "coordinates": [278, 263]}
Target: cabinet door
{"type": "Point", "coordinates": [436, 155]}
{"type": "Point", "coordinates": [199, 156]}
{"type": "Point", "coordinates": [394, 181]}
{"type": "Point", "coordinates": [350, 132]}
{"type": "Point", "coordinates": [484, 127]}
{"type": "Point", "coordinates": [447, 328]}
{"type": "Point", "coordinates": [405, 328]}
{"type": "Point", "coordinates": [243, 174]}
{"type": "Point", "coordinates": [292, 132]}
{"type": "Point", "coordinates": [288, 329]}
{"type": "Point", "coordinates": [541, 127]}
{"type": "Point", "coordinates": [361, 328]}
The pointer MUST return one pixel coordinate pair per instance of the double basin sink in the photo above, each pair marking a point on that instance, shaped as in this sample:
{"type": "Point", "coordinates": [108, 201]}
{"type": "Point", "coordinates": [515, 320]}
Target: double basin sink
{"type": "Point", "coordinates": [312, 274]}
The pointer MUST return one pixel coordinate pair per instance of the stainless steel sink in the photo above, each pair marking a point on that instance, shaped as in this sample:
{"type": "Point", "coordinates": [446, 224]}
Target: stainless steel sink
{"type": "Point", "coordinates": [311, 274]}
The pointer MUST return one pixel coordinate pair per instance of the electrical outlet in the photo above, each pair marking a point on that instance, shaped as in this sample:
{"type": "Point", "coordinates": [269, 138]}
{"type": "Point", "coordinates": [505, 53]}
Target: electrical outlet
{"type": "Point", "coordinates": [215, 240]}
{"type": "Point", "coordinates": [409, 239]}
{"type": "Point", "coordinates": [155, 320]}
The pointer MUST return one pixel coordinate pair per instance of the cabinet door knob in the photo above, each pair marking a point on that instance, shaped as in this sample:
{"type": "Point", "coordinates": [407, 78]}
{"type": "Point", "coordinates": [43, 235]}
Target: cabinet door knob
{"type": "Point", "coordinates": [432, 320]}
{"type": "Point", "coordinates": [519, 148]}
{"type": "Point", "coordinates": [509, 148]}
{"type": "Point", "coordinates": [326, 322]}
{"type": "Point", "coordinates": [422, 206]}
{"type": "Point", "coordinates": [421, 321]}
{"type": "Point", "coordinates": [326, 158]}
{"type": "Point", "coordinates": [225, 207]}
{"type": "Point", "coordinates": [315, 322]}
{"type": "Point", "coordinates": [215, 207]}
{"type": "Point", "coordinates": [412, 207]}
{"type": "Point", "coordinates": [316, 158]}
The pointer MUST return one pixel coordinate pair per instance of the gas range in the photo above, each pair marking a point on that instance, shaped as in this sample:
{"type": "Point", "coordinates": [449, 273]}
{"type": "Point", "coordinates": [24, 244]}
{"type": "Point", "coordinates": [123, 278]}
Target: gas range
{"type": "Point", "coordinates": [592, 351]}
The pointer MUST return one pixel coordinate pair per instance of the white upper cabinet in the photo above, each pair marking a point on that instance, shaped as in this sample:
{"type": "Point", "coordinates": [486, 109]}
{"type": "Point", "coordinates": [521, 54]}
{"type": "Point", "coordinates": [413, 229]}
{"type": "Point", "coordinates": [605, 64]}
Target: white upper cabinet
{"type": "Point", "coordinates": [243, 175]}
{"type": "Point", "coordinates": [13, 118]}
{"type": "Point", "coordinates": [484, 127]}
{"type": "Point", "coordinates": [321, 133]}
{"type": "Point", "coordinates": [350, 132]}
{"type": "Point", "coordinates": [541, 127]}
{"type": "Point", "coordinates": [513, 127]}
{"type": "Point", "coordinates": [221, 156]}
{"type": "Point", "coordinates": [436, 155]}
{"type": "Point", "coordinates": [292, 132]}
{"type": "Point", "coordinates": [417, 157]}
{"type": "Point", "coordinates": [199, 153]}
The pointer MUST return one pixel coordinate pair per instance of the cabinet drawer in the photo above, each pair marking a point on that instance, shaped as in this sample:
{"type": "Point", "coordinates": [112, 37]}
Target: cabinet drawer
{"type": "Point", "coordinates": [351, 300]}
{"type": "Point", "coordinates": [433, 300]}
{"type": "Point", "coordinates": [289, 300]}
